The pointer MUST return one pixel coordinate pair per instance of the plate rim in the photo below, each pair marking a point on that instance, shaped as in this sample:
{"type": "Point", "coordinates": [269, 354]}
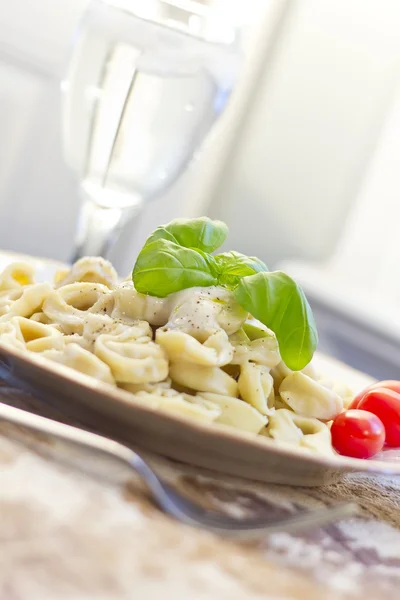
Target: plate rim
{"type": "Point", "coordinates": [115, 394]}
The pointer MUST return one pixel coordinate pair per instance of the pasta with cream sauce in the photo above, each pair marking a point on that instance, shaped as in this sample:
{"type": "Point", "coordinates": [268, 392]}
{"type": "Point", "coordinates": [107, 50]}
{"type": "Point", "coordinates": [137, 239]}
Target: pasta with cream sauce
{"type": "Point", "coordinates": [186, 354]}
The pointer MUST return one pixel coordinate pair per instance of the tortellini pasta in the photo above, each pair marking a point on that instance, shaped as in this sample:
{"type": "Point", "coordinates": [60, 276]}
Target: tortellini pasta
{"type": "Point", "coordinates": [306, 432]}
{"type": "Point", "coordinates": [309, 398]}
{"type": "Point", "coordinates": [339, 388]}
{"type": "Point", "coordinates": [16, 276]}
{"type": "Point", "coordinates": [180, 346]}
{"type": "Point", "coordinates": [89, 269]}
{"type": "Point", "coordinates": [132, 359]}
{"type": "Point", "coordinates": [36, 336]}
{"type": "Point", "coordinates": [9, 336]}
{"type": "Point", "coordinates": [129, 306]}
{"type": "Point", "coordinates": [182, 404]}
{"type": "Point", "coordinates": [81, 360]}
{"type": "Point", "coordinates": [262, 351]}
{"type": "Point", "coordinates": [31, 301]}
{"type": "Point", "coordinates": [195, 353]}
{"type": "Point", "coordinates": [160, 388]}
{"type": "Point", "coordinates": [69, 305]}
{"type": "Point", "coordinates": [256, 387]}
{"type": "Point", "coordinates": [237, 413]}
{"type": "Point", "coordinates": [7, 298]}
{"type": "Point", "coordinates": [280, 371]}
{"type": "Point", "coordinates": [203, 379]}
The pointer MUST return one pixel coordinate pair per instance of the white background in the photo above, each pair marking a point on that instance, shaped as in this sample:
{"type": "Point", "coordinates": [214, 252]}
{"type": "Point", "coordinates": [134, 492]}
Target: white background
{"type": "Point", "coordinates": [307, 146]}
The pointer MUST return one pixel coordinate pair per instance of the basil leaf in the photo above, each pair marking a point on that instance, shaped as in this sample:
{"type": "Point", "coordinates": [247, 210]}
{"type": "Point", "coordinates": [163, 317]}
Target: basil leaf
{"type": "Point", "coordinates": [234, 265]}
{"type": "Point", "coordinates": [164, 267]}
{"type": "Point", "coordinates": [161, 233]}
{"type": "Point", "coordinates": [202, 233]}
{"type": "Point", "coordinates": [279, 302]}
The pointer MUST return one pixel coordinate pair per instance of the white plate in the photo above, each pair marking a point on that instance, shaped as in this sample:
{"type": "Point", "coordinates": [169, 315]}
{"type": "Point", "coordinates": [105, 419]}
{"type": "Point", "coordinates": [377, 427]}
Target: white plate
{"type": "Point", "coordinates": [116, 413]}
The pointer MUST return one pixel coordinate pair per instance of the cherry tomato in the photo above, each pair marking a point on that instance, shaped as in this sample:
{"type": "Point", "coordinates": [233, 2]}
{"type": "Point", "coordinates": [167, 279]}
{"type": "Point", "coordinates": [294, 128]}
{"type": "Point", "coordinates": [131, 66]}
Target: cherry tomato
{"type": "Point", "coordinates": [357, 433]}
{"type": "Point", "coordinates": [389, 384]}
{"type": "Point", "coordinates": [354, 404]}
{"type": "Point", "coordinates": [385, 404]}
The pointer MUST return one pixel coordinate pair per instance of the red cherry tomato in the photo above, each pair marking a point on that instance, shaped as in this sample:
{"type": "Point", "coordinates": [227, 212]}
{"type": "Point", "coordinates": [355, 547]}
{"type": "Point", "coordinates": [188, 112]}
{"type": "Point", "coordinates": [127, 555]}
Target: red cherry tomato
{"type": "Point", "coordinates": [354, 404]}
{"type": "Point", "coordinates": [389, 384]}
{"type": "Point", "coordinates": [357, 433]}
{"type": "Point", "coordinates": [385, 404]}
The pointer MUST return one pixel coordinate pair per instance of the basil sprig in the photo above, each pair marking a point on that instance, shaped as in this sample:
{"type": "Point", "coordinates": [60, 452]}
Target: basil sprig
{"type": "Point", "coordinates": [232, 266]}
{"type": "Point", "coordinates": [278, 301]}
{"type": "Point", "coordinates": [164, 267]}
{"type": "Point", "coordinates": [201, 233]}
{"type": "Point", "coordinates": [178, 255]}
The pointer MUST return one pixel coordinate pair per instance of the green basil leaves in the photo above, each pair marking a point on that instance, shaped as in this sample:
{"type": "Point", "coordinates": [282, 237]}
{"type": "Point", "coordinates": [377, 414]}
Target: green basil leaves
{"type": "Point", "coordinates": [178, 255]}
{"type": "Point", "coordinates": [232, 266]}
{"type": "Point", "coordinates": [164, 267]}
{"type": "Point", "coordinates": [279, 302]}
{"type": "Point", "coordinates": [201, 233]}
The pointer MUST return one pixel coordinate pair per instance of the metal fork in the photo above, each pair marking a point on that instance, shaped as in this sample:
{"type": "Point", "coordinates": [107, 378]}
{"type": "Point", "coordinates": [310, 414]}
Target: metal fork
{"type": "Point", "coordinates": [168, 498]}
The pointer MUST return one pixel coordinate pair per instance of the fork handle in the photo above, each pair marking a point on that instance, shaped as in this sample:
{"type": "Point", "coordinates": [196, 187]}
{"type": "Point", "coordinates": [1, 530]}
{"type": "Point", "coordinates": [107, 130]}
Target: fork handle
{"type": "Point", "coordinates": [160, 490]}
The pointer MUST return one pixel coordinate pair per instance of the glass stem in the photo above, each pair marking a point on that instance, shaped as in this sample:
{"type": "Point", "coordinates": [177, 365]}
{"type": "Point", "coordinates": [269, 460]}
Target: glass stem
{"type": "Point", "coordinates": [99, 228]}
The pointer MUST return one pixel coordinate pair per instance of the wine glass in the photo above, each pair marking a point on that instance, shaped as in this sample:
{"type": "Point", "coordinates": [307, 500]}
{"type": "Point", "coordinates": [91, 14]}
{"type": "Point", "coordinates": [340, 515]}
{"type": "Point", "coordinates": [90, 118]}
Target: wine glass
{"type": "Point", "coordinates": [146, 81]}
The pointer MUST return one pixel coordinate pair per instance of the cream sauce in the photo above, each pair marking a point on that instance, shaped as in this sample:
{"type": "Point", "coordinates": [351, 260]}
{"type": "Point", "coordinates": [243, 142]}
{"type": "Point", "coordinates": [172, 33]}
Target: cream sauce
{"type": "Point", "coordinates": [191, 310]}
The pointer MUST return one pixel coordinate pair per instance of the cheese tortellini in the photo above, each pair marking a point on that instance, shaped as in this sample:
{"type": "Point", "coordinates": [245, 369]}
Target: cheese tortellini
{"type": "Point", "coordinates": [216, 350]}
{"type": "Point", "coordinates": [256, 387]}
{"type": "Point", "coordinates": [196, 353]}
{"type": "Point", "coordinates": [306, 432]}
{"type": "Point", "coordinates": [16, 276]}
{"type": "Point", "coordinates": [309, 398]}
{"type": "Point", "coordinates": [132, 356]}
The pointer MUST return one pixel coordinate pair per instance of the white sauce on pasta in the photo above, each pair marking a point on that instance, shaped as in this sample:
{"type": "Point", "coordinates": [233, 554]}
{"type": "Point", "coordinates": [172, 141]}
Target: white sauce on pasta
{"type": "Point", "coordinates": [194, 310]}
